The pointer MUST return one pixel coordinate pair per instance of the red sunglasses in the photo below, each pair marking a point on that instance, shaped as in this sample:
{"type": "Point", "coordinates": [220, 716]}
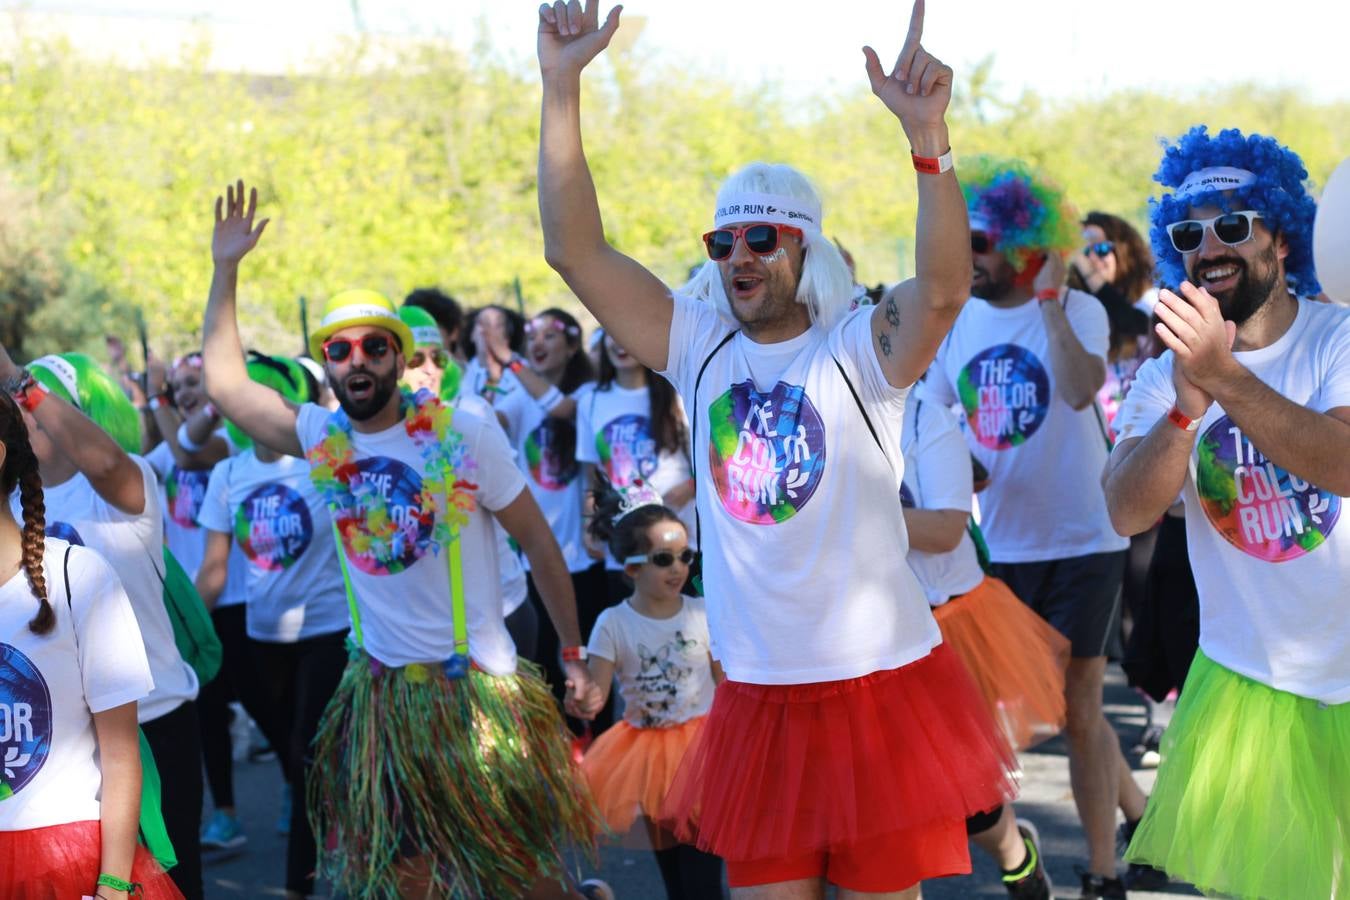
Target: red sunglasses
{"type": "Point", "coordinates": [373, 347]}
{"type": "Point", "coordinates": [759, 239]}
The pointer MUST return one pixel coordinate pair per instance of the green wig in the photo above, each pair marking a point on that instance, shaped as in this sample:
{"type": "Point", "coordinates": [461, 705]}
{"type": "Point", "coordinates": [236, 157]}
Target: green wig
{"type": "Point", "coordinates": [426, 334]}
{"type": "Point", "coordinates": [283, 375]}
{"type": "Point", "coordinates": [1024, 214]}
{"type": "Point", "coordinates": [79, 380]}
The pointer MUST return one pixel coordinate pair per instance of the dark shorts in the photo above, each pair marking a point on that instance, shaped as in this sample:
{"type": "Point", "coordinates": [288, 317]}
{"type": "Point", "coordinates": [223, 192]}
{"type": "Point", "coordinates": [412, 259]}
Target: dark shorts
{"type": "Point", "coordinates": [1080, 596]}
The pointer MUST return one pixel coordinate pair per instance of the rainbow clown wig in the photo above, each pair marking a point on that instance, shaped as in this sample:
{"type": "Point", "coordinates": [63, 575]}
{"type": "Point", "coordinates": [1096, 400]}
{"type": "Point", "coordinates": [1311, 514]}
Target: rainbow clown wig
{"type": "Point", "coordinates": [285, 376]}
{"type": "Point", "coordinates": [77, 379]}
{"type": "Point", "coordinates": [1235, 172]}
{"type": "Point", "coordinates": [1023, 214]}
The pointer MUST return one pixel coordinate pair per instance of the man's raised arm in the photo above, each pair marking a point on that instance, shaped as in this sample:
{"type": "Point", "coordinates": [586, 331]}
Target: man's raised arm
{"type": "Point", "coordinates": [631, 303]}
{"type": "Point", "coordinates": [911, 321]}
{"type": "Point", "coordinates": [259, 411]}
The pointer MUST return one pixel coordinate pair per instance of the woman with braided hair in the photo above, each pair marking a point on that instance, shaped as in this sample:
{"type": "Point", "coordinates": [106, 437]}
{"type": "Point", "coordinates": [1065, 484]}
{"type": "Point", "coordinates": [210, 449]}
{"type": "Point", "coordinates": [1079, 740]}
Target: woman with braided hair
{"type": "Point", "coordinates": [72, 667]}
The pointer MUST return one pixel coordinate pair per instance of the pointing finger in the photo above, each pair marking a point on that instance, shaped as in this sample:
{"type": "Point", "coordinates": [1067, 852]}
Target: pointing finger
{"type": "Point", "coordinates": [912, 40]}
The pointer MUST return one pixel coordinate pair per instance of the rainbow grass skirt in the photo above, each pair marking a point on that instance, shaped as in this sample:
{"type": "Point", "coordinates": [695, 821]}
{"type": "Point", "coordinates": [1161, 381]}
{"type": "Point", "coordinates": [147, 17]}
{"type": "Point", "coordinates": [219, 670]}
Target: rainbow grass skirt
{"type": "Point", "coordinates": [473, 775]}
{"type": "Point", "coordinates": [1253, 796]}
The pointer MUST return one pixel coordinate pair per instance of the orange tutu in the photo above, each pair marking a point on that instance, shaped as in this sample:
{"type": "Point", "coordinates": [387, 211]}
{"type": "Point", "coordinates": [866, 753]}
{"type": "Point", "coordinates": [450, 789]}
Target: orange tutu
{"type": "Point", "coordinates": [630, 770]}
{"type": "Point", "coordinates": [1016, 657]}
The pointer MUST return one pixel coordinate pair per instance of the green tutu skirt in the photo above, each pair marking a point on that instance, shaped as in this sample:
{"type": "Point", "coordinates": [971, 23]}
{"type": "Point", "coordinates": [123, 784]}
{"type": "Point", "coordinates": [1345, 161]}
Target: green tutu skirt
{"type": "Point", "coordinates": [1253, 796]}
{"type": "Point", "coordinates": [473, 777]}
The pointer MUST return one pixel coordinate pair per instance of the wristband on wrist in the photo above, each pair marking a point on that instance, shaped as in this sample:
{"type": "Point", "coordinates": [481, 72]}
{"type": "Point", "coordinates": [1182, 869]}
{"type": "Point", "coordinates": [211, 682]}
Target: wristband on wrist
{"type": "Point", "coordinates": [515, 365]}
{"type": "Point", "coordinates": [117, 884]}
{"type": "Point", "coordinates": [1046, 295]}
{"type": "Point", "coordinates": [549, 399]}
{"type": "Point", "coordinates": [575, 654]}
{"type": "Point", "coordinates": [1182, 421]}
{"type": "Point", "coordinates": [209, 409]}
{"type": "Point", "coordinates": [932, 165]}
{"type": "Point", "coordinates": [158, 401]}
{"type": "Point", "coordinates": [186, 442]}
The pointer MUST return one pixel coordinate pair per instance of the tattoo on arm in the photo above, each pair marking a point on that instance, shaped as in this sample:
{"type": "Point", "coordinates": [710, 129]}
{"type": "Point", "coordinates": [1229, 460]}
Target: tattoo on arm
{"type": "Point", "coordinates": [885, 341]}
{"type": "Point", "coordinates": [892, 313]}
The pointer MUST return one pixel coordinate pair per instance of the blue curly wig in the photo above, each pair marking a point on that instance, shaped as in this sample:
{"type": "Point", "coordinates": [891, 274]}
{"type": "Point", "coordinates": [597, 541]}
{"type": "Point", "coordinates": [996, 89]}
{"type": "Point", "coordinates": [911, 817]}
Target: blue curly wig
{"type": "Point", "coordinates": [1279, 194]}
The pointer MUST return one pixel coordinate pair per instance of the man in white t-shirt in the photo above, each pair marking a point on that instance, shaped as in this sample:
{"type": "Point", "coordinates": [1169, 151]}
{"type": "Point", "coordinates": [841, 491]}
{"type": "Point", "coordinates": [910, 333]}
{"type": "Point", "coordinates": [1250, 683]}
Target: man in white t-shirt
{"type": "Point", "coordinates": [795, 405]}
{"type": "Point", "coordinates": [1025, 364]}
{"type": "Point", "coordinates": [1247, 415]}
{"type": "Point", "coordinates": [414, 488]}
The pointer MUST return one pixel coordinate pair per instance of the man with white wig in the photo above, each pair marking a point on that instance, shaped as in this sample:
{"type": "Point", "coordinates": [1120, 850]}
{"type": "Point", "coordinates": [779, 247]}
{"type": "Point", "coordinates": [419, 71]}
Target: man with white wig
{"type": "Point", "coordinates": [848, 744]}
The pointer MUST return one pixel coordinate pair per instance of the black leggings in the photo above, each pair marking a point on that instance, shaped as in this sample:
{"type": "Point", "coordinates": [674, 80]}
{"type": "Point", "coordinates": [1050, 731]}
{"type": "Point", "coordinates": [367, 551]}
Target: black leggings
{"type": "Point", "coordinates": [174, 739]}
{"type": "Point", "coordinates": [592, 591]}
{"type": "Point", "coordinates": [296, 682]}
{"type": "Point", "coordinates": [236, 680]}
{"type": "Point", "coordinates": [689, 873]}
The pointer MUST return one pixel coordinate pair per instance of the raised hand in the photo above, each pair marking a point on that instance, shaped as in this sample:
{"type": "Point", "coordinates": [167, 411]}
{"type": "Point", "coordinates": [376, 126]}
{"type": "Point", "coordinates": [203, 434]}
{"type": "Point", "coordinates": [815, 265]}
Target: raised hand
{"type": "Point", "coordinates": [235, 234]}
{"type": "Point", "coordinates": [1052, 274]}
{"type": "Point", "coordinates": [570, 36]}
{"type": "Point", "coordinates": [919, 87]}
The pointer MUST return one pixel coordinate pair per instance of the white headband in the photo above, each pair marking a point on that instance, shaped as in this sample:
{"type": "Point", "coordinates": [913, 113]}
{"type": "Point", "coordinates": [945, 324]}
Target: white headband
{"type": "Point", "coordinates": [1215, 178]}
{"type": "Point", "coordinates": [738, 208]}
{"type": "Point", "coordinates": [65, 373]}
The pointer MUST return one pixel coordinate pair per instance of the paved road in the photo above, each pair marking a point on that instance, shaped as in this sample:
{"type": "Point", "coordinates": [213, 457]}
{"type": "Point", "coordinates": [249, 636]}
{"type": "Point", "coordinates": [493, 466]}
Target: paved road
{"type": "Point", "coordinates": [259, 870]}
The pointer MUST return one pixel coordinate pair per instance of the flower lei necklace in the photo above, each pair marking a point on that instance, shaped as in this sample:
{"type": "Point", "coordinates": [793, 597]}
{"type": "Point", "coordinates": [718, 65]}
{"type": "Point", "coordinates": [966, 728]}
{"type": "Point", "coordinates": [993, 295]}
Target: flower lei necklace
{"type": "Point", "coordinates": [334, 472]}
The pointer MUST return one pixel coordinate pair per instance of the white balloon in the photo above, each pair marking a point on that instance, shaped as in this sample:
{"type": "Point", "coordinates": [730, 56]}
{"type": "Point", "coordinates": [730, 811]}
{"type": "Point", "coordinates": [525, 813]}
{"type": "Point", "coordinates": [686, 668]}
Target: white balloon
{"type": "Point", "coordinates": [1331, 235]}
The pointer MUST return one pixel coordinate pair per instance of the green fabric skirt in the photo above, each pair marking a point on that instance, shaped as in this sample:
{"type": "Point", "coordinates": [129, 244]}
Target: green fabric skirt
{"type": "Point", "coordinates": [1253, 796]}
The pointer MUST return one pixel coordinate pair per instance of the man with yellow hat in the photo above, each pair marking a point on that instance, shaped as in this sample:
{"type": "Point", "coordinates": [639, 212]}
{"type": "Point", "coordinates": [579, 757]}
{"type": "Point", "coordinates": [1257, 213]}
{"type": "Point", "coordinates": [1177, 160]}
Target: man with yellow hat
{"type": "Point", "coordinates": [419, 804]}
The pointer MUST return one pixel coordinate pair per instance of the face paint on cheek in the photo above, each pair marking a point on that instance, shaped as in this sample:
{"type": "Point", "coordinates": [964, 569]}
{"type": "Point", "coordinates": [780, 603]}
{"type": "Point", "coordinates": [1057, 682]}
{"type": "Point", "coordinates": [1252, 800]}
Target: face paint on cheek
{"type": "Point", "coordinates": [774, 257]}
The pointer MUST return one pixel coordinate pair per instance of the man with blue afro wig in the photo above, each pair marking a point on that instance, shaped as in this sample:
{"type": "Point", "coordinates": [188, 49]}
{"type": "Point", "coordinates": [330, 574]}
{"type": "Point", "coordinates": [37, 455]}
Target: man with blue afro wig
{"type": "Point", "coordinates": [1247, 415]}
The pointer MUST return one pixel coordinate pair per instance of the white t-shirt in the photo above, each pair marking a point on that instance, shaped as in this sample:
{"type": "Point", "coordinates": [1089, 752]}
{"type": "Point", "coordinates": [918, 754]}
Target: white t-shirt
{"type": "Point", "coordinates": [665, 677]}
{"type": "Point", "coordinates": [938, 476]}
{"type": "Point", "coordinates": [134, 546]}
{"type": "Point", "coordinates": [278, 521]}
{"type": "Point", "coordinates": [1044, 499]}
{"type": "Point", "coordinates": [804, 538]}
{"type": "Point", "coordinates": [613, 433]}
{"type": "Point", "coordinates": [51, 685]}
{"type": "Point", "coordinates": [515, 589]}
{"type": "Point", "coordinates": [554, 478]}
{"type": "Point", "coordinates": [181, 493]}
{"type": "Point", "coordinates": [404, 599]}
{"type": "Point", "coordinates": [1270, 555]}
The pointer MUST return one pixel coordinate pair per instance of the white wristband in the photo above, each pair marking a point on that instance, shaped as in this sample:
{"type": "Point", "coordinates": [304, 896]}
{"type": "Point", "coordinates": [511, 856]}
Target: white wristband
{"type": "Point", "coordinates": [186, 442]}
{"type": "Point", "coordinates": [550, 399]}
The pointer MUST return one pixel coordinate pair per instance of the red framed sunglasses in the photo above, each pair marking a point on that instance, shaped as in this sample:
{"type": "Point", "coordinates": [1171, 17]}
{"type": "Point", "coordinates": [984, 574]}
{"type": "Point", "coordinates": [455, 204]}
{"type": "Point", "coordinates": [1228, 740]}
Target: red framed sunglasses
{"type": "Point", "coordinates": [759, 239]}
{"type": "Point", "coordinates": [373, 347]}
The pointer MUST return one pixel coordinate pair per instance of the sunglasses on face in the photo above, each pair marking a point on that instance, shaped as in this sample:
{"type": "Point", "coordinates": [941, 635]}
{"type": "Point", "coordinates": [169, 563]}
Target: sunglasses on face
{"type": "Point", "coordinates": [979, 242]}
{"type": "Point", "coordinates": [759, 239]}
{"type": "Point", "coordinates": [662, 559]}
{"type": "Point", "coordinates": [440, 358]}
{"type": "Point", "coordinates": [373, 347]}
{"type": "Point", "coordinates": [1100, 248]}
{"type": "Point", "coordinates": [1230, 228]}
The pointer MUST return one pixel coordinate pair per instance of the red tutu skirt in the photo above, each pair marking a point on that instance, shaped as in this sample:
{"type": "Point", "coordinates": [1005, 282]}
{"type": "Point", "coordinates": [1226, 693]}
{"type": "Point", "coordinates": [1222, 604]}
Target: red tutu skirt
{"type": "Point", "coordinates": [61, 862]}
{"type": "Point", "coordinates": [782, 770]}
{"type": "Point", "coordinates": [630, 770]}
{"type": "Point", "coordinates": [1016, 657]}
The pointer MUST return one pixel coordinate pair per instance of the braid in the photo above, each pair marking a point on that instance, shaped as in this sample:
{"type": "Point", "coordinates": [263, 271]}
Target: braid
{"type": "Point", "coordinates": [21, 469]}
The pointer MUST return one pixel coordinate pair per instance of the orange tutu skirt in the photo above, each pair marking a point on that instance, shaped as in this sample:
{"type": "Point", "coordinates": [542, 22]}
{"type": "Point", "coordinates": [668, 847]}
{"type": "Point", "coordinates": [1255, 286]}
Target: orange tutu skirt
{"type": "Point", "coordinates": [630, 770]}
{"type": "Point", "coordinates": [1016, 658]}
{"type": "Point", "coordinates": [61, 862]}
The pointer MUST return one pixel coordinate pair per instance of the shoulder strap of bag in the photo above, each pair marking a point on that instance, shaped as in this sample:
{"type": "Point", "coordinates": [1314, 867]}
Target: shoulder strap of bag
{"type": "Point", "coordinates": [693, 436]}
{"type": "Point", "coordinates": [863, 410]}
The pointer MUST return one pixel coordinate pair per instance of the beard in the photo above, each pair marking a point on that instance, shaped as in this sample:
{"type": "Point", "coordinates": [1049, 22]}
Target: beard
{"type": "Point", "coordinates": [385, 387]}
{"type": "Point", "coordinates": [989, 289]}
{"type": "Point", "coordinates": [778, 303]}
{"type": "Point", "coordinates": [1255, 285]}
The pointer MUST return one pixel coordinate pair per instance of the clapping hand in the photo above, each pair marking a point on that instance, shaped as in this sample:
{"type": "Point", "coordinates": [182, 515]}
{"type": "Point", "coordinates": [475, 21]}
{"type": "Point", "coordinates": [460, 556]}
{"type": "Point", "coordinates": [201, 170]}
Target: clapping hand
{"type": "Point", "coordinates": [1192, 326]}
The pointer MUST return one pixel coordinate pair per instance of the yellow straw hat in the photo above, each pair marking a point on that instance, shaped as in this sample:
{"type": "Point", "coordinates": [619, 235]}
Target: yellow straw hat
{"type": "Point", "coordinates": [359, 307]}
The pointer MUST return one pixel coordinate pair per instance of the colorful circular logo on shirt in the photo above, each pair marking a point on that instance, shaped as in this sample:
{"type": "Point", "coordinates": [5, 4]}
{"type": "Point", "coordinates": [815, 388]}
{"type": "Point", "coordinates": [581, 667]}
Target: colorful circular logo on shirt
{"type": "Point", "coordinates": [626, 449]}
{"type": "Point", "coordinates": [25, 720]}
{"type": "Point", "coordinates": [273, 527]}
{"type": "Point", "coordinates": [401, 488]}
{"type": "Point", "coordinates": [66, 532]}
{"type": "Point", "coordinates": [185, 489]}
{"type": "Point", "coordinates": [1258, 507]}
{"type": "Point", "coordinates": [552, 470]}
{"type": "Point", "coordinates": [1006, 395]}
{"type": "Point", "coordinates": [767, 451]}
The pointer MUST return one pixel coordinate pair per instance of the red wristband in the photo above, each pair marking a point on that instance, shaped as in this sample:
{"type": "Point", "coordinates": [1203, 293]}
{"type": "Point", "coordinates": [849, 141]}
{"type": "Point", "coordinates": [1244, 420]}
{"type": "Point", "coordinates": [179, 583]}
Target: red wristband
{"type": "Point", "coordinates": [1182, 421]}
{"type": "Point", "coordinates": [932, 165]}
{"type": "Point", "coordinates": [515, 365]}
{"type": "Point", "coordinates": [575, 654]}
{"type": "Point", "coordinates": [31, 396]}
{"type": "Point", "coordinates": [1048, 294]}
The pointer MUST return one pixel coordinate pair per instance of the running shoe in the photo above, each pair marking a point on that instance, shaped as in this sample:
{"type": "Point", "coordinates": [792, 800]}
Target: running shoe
{"type": "Point", "coordinates": [595, 889]}
{"type": "Point", "coordinates": [1031, 882]}
{"type": "Point", "coordinates": [1139, 876]}
{"type": "Point", "coordinates": [1095, 887]}
{"type": "Point", "coordinates": [1149, 742]}
{"type": "Point", "coordinates": [223, 832]}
